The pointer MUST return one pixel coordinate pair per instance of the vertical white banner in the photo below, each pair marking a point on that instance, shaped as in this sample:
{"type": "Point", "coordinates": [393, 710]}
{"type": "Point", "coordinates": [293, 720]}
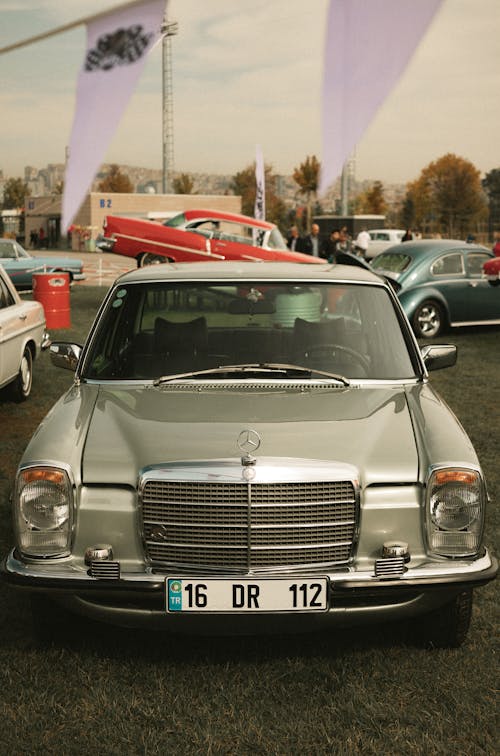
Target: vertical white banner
{"type": "Point", "coordinates": [368, 45]}
{"type": "Point", "coordinates": [117, 46]}
{"type": "Point", "coordinates": [260, 185]}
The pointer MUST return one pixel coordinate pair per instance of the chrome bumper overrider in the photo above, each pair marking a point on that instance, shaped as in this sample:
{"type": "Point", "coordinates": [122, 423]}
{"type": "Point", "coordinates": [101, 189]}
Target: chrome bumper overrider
{"type": "Point", "coordinates": [105, 244]}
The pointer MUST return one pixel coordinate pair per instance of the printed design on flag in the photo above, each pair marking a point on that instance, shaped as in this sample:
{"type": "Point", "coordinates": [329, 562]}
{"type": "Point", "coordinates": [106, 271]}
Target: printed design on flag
{"type": "Point", "coordinates": [259, 200]}
{"type": "Point", "coordinates": [122, 47]}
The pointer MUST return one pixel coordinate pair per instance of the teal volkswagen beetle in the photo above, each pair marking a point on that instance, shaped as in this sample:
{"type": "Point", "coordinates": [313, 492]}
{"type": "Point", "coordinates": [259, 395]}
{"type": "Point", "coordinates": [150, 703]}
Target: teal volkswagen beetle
{"type": "Point", "coordinates": [440, 283]}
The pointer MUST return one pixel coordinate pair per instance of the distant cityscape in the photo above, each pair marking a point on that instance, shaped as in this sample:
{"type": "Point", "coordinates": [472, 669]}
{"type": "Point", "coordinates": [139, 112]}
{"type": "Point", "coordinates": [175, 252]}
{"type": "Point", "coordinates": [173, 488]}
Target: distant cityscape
{"type": "Point", "coordinates": [45, 181]}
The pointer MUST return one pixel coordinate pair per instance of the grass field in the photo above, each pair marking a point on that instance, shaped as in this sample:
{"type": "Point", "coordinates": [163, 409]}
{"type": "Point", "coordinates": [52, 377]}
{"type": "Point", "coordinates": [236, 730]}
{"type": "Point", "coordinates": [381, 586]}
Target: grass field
{"type": "Point", "coordinates": [365, 691]}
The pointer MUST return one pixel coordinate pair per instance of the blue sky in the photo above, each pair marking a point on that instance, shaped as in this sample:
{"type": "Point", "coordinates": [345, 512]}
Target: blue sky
{"type": "Point", "coordinates": [248, 73]}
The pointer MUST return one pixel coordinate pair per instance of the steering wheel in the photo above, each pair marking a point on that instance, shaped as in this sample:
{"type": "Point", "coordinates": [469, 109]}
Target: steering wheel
{"type": "Point", "coordinates": [330, 350]}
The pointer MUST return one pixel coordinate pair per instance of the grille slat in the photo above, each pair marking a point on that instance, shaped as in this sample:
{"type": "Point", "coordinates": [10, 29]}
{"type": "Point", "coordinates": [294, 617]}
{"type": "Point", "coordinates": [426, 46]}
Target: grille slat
{"type": "Point", "coordinates": [248, 526]}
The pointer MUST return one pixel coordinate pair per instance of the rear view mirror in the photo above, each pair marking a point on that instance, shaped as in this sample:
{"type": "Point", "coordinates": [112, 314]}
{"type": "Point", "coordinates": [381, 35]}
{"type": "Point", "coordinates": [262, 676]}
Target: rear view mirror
{"type": "Point", "coordinates": [244, 306]}
{"type": "Point", "coordinates": [65, 355]}
{"type": "Point", "coordinates": [438, 356]}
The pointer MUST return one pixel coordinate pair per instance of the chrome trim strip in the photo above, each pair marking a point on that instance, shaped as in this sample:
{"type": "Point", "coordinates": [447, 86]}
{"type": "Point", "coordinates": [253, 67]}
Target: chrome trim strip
{"type": "Point", "coordinates": [178, 247]}
{"type": "Point", "coordinates": [460, 324]}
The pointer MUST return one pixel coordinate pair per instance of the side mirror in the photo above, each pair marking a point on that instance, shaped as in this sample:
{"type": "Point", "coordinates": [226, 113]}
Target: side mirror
{"type": "Point", "coordinates": [438, 356]}
{"type": "Point", "coordinates": [65, 355]}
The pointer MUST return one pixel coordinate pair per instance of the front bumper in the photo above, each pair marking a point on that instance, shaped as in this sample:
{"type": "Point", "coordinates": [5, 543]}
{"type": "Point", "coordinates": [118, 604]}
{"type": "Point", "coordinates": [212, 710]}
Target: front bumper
{"type": "Point", "coordinates": [138, 599]}
{"type": "Point", "coordinates": [105, 243]}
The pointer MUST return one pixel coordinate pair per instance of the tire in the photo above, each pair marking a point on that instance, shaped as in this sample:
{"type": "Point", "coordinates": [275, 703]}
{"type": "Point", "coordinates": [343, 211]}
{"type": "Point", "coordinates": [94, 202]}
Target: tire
{"type": "Point", "coordinates": [428, 320]}
{"type": "Point", "coordinates": [147, 258]}
{"type": "Point", "coordinates": [446, 627]}
{"type": "Point", "coordinates": [20, 388]}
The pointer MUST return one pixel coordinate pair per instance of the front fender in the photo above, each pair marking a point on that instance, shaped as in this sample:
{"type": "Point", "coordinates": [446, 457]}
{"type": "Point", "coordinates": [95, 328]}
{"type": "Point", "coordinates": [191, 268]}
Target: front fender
{"type": "Point", "coordinates": [412, 298]}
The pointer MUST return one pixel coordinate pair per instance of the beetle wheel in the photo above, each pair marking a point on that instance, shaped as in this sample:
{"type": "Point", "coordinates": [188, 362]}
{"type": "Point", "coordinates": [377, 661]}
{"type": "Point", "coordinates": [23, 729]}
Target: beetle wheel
{"type": "Point", "coordinates": [428, 320]}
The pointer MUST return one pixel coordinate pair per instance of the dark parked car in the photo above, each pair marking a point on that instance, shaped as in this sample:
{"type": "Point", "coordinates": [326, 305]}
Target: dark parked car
{"type": "Point", "coordinates": [20, 265]}
{"type": "Point", "coordinates": [250, 447]}
{"type": "Point", "coordinates": [441, 283]}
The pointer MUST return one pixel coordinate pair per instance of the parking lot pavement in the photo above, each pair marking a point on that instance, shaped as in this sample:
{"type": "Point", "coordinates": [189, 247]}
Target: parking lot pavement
{"type": "Point", "coordinates": [100, 268]}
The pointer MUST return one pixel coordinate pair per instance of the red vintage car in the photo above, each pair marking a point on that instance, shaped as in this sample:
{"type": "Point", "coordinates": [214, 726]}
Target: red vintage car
{"type": "Point", "coordinates": [491, 268]}
{"type": "Point", "coordinates": [196, 235]}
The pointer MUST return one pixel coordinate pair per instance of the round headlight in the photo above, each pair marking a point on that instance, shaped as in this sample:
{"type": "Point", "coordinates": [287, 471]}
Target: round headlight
{"type": "Point", "coordinates": [455, 507]}
{"type": "Point", "coordinates": [43, 505]}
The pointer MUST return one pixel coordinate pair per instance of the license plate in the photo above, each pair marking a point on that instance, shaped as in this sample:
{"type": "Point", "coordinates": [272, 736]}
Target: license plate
{"type": "Point", "coordinates": [252, 595]}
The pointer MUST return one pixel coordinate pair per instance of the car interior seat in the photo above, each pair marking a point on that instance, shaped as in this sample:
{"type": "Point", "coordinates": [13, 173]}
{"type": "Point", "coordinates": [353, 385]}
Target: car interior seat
{"type": "Point", "coordinates": [180, 347]}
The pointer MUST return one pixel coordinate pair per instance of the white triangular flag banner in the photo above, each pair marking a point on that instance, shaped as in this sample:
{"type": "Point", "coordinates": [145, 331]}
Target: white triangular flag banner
{"type": "Point", "coordinates": [368, 45]}
{"type": "Point", "coordinates": [260, 190]}
{"type": "Point", "coordinates": [117, 46]}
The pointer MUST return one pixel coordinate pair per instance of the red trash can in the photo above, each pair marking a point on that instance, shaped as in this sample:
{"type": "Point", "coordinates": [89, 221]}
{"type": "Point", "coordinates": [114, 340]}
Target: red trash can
{"type": "Point", "coordinates": [52, 291]}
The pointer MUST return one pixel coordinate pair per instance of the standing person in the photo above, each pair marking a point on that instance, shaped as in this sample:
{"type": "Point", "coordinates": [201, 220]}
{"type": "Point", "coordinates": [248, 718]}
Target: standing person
{"type": "Point", "coordinates": [408, 236]}
{"type": "Point", "coordinates": [311, 242]}
{"type": "Point", "coordinates": [330, 247]}
{"type": "Point", "coordinates": [345, 244]}
{"type": "Point", "coordinates": [362, 242]}
{"type": "Point", "coordinates": [496, 246]}
{"type": "Point", "coordinates": [41, 238]}
{"type": "Point", "coordinates": [294, 241]}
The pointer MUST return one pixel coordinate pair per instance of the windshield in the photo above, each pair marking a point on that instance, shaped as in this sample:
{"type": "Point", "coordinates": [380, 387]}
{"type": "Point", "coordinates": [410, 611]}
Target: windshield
{"type": "Point", "coordinates": [393, 262]}
{"type": "Point", "coordinates": [9, 250]}
{"type": "Point", "coordinates": [275, 240]}
{"type": "Point", "coordinates": [155, 329]}
{"type": "Point", "coordinates": [177, 220]}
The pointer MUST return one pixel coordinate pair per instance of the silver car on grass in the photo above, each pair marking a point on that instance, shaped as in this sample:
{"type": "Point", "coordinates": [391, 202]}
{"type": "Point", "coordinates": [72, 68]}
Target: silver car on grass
{"type": "Point", "coordinates": [250, 447]}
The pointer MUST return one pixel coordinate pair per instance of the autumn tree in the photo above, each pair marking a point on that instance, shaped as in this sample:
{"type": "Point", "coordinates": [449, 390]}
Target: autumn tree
{"type": "Point", "coordinates": [116, 182]}
{"type": "Point", "coordinates": [307, 175]}
{"type": "Point", "coordinates": [491, 185]}
{"type": "Point", "coordinates": [448, 197]}
{"type": "Point", "coordinates": [372, 201]}
{"type": "Point", "coordinates": [244, 184]}
{"type": "Point", "coordinates": [183, 184]}
{"type": "Point", "coordinates": [407, 213]}
{"type": "Point", "coordinates": [14, 193]}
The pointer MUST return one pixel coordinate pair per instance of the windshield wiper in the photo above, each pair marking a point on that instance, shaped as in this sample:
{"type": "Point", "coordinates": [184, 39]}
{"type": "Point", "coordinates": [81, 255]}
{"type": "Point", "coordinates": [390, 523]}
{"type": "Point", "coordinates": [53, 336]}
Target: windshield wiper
{"type": "Point", "coordinates": [261, 367]}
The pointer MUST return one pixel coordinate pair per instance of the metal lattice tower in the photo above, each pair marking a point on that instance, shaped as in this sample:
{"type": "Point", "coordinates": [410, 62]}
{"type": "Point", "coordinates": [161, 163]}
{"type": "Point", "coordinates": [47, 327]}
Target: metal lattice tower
{"type": "Point", "coordinates": [347, 183]}
{"type": "Point", "coordinates": [169, 29]}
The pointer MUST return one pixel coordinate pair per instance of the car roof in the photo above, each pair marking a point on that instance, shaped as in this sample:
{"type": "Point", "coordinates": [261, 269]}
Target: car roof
{"type": "Point", "coordinates": [241, 270]}
{"type": "Point", "coordinates": [233, 217]}
{"type": "Point", "coordinates": [429, 247]}
{"type": "Point", "coordinates": [382, 230]}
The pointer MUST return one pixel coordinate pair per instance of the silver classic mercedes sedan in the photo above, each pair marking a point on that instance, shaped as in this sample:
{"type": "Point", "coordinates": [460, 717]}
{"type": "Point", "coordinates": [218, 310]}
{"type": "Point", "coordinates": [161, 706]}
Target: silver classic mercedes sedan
{"type": "Point", "coordinates": [252, 447]}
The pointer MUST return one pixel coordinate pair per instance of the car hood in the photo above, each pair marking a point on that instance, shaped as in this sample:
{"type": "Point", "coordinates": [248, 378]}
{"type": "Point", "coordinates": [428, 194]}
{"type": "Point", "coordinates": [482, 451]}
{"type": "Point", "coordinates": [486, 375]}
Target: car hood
{"type": "Point", "coordinates": [57, 262]}
{"type": "Point", "coordinates": [132, 428]}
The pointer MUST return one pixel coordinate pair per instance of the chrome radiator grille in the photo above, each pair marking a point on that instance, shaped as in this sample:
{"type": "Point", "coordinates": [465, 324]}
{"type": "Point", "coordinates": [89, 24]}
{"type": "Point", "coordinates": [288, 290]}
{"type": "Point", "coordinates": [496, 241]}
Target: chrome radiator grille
{"type": "Point", "coordinates": [248, 526]}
